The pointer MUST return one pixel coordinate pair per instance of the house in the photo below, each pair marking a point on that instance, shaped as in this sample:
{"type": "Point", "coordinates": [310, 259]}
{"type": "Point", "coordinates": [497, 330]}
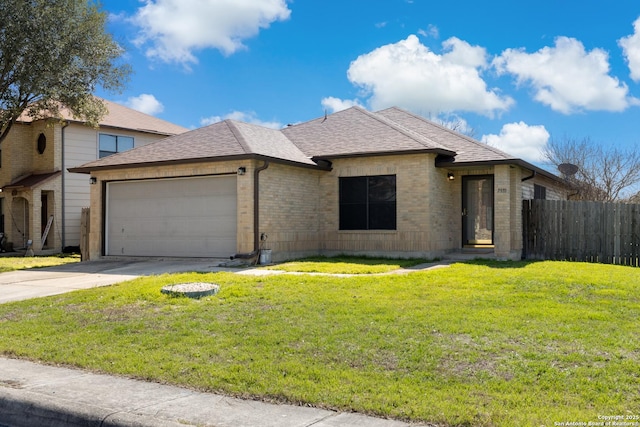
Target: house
{"type": "Point", "coordinates": [354, 182]}
{"type": "Point", "coordinates": [39, 197]}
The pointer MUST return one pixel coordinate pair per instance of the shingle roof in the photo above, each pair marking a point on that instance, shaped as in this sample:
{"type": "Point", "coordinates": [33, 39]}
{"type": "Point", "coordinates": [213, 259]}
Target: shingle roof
{"type": "Point", "coordinates": [219, 141]}
{"type": "Point", "coordinates": [466, 149]}
{"type": "Point", "coordinates": [348, 133]}
{"type": "Point", "coordinates": [357, 132]}
{"type": "Point", "coordinates": [119, 116]}
{"type": "Point", "coordinates": [31, 181]}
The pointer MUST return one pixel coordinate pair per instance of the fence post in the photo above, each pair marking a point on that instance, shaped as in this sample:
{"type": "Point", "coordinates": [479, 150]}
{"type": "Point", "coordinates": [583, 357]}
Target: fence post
{"type": "Point", "coordinates": [84, 234]}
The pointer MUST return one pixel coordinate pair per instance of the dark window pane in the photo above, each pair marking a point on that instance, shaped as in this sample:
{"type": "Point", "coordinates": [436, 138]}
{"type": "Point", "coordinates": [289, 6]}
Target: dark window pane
{"type": "Point", "coordinates": [368, 203]}
{"type": "Point", "coordinates": [382, 188]}
{"type": "Point", "coordinates": [382, 216]}
{"type": "Point", "coordinates": [353, 216]}
{"type": "Point", "coordinates": [353, 190]}
{"type": "Point", "coordinates": [539, 192]}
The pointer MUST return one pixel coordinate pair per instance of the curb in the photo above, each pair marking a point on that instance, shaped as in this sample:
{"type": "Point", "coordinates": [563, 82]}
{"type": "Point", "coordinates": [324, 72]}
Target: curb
{"type": "Point", "coordinates": [22, 408]}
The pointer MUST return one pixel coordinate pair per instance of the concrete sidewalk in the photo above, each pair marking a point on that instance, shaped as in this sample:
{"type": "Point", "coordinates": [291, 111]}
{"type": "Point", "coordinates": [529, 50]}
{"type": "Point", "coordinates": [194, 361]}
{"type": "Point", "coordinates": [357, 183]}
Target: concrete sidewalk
{"type": "Point", "coordinates": [40, 282]}
{"type": "Point", "coordinates": [32, 394]}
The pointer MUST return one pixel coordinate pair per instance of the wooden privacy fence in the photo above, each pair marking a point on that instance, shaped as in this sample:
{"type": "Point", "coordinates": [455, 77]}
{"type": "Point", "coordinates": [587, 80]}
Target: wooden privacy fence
{"type": "Point", "coordinates": [84, 234]}
{"type": "Point", "coordinates": [581, 231]}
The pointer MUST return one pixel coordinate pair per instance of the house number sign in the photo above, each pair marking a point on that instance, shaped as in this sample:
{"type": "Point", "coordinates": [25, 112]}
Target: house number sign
{"type": "Point", "coordinates": [502, 190]}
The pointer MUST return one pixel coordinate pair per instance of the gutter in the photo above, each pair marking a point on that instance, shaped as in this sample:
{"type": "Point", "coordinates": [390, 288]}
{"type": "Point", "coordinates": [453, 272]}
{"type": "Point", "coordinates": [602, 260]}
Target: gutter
{"type": "Point", "coordinates": [256, 214]}
{"type": "Point", "coordinates": [62, 196]}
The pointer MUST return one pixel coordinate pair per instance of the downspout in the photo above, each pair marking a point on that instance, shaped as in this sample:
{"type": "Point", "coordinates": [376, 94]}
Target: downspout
{"type": "Point", "coordinates": [533, 174]}
{"type": "Point", "coordinates": [62, 195]}
{"type": "Point", "coordinates": [256, 214]}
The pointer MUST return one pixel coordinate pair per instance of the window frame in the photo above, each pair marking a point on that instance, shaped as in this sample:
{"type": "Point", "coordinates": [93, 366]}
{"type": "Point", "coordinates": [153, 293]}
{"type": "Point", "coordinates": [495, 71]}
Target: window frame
{"type": "Point", "coordinates": [106, 153]}
{"type": "Point", "coordinates": [539, 192]}
{"type": "Point", "coordinates": [366, 204]}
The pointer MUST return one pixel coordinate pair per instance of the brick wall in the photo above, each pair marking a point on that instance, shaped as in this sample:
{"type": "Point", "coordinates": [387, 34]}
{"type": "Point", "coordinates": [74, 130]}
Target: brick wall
{"type": "Point", "coordinates": [299, 206]}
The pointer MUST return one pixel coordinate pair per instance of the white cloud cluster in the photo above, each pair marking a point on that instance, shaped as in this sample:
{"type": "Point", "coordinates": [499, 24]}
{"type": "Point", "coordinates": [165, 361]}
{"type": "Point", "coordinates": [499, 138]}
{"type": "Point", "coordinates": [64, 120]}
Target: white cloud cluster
{"type": "Point", "coordinates": [408, 74]}
{"type": "Point", "coordinates": [520, 140]}
{"type": "Point", "coordinates": [145, 103]}
{"type": "Point", "coordinates": [336, 104]}
{"type": "Point", "coordinates": [176, 28]}
{"type": "Point", "coordinates": [241, 116]}
{"type": "Point", "coordinates": [631, 48]}
{"type": "Point", "coordinates": [567, 78]}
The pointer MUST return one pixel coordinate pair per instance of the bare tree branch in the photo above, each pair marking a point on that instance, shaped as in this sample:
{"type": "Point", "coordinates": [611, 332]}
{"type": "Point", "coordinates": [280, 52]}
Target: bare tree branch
{"type": "Point", "coordinates": [604, 173]}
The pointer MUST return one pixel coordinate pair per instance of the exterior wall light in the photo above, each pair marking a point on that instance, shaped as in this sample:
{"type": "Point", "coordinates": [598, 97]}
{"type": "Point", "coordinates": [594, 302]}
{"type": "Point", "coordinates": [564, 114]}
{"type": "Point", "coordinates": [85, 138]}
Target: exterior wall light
{"type": "Point", "coordinates": [451, 176]}
{"type": "Point", "coordinates": [93, 180]}
{"type": "Point", "coordinates": [242, 170]}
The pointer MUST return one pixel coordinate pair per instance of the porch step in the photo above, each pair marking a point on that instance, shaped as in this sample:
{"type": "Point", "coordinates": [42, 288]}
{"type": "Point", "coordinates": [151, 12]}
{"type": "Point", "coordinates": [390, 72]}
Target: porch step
{"type": "Point", "coordinates": [468, 254]}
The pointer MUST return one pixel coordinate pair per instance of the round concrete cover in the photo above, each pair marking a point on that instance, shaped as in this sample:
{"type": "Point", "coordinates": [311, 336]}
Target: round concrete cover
{"type": "Point", "coordinates": [191, 290]}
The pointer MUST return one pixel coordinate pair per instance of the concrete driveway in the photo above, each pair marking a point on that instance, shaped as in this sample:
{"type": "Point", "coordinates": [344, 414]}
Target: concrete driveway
{"type": "Point", "coordinates": [40, 282]}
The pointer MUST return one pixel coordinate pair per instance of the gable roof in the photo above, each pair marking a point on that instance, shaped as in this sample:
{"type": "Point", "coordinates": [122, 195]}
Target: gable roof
{"type": "Point", "coordinates": [121, 117]}
{"type": "Point", "coordinates": [357, 132]}
{"type": "Point", "coordinates": [224, 140]}
{"type": "Point", "coordinates": [349, 133]}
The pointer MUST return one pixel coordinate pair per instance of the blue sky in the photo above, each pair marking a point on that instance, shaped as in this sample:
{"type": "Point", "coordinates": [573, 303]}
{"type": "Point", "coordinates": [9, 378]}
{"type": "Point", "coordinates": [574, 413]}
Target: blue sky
{"type": "Point", "coordinates": [515, 73]}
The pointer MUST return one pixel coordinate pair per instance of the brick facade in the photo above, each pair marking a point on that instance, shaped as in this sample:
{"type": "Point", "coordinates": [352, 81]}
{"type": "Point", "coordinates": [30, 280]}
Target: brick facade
{"type": "Point", "coordinates": [298, 206]}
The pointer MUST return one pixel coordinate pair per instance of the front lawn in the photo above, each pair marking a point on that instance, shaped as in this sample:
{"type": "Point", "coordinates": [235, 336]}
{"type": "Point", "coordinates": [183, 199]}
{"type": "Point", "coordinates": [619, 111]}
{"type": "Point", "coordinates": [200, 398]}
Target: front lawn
{"type": "Point", "coordinates": [346, 265]}
{"type": "Point", "coordinates": [482, 343]}
{"type": "Point", "coordinates": [11, 263]}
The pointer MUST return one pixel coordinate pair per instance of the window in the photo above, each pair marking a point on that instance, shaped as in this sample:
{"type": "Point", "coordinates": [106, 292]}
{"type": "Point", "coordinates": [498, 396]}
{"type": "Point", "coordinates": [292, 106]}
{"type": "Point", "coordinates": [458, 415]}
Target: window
{"type": "Point", "coordinates": [368, 203]}
{"type": "Point", "coordinates": [112, 144]}
{"type": "Point", "coordinates": [539, 192]}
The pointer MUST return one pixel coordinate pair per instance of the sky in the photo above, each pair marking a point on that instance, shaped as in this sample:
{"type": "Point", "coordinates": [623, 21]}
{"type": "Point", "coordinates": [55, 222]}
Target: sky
{"type": "Point", "coordinates": [512, 74]}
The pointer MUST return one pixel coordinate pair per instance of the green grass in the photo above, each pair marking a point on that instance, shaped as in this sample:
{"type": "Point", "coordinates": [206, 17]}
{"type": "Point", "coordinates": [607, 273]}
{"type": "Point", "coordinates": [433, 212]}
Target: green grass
{"type": "Point", "coordinates": [11, 263]}
{"type": "Point", "coordinates": [476, 344]}
{"type": "Point", "coordinates": [346, 265]}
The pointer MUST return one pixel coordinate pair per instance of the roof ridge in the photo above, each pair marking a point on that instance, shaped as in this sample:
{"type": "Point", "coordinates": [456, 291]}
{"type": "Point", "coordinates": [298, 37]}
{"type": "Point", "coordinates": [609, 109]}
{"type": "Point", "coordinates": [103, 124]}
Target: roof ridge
{"type": "Point", "coordinates": [237, 133]}
{"type": "Point", "coordinates": [451, 131]}
{"type": "Point", "coordinates": [416, 136]}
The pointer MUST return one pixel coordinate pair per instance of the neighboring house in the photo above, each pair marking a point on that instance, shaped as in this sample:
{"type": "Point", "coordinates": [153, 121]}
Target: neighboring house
{"type": "Point", "coordinates": [387, 183]}
{"type": "Point", "coordinates": [36, 188]}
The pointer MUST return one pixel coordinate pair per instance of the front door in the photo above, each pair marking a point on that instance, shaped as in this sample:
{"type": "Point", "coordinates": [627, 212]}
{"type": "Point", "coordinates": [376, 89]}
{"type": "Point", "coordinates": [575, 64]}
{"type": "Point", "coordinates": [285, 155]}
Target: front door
{"type": "Point", "coordinates": [477, 210]}
{"type": "Point", "coordinates": [44, 216]}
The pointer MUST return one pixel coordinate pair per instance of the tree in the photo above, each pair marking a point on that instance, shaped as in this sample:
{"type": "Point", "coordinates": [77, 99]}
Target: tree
{"type": "Point", "coordinates": [604, 173]}
{"type": "Point", "coordinates": [54, 54]}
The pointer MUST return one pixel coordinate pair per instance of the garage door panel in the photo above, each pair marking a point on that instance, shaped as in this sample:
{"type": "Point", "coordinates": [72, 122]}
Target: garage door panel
{"type": "Point", "coordinates": [172, 217]}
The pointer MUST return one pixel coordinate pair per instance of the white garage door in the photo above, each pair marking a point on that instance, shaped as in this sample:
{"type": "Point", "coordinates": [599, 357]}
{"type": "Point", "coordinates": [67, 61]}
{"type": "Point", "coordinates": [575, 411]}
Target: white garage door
{"type": "Point", "coordinates": [185, 217]}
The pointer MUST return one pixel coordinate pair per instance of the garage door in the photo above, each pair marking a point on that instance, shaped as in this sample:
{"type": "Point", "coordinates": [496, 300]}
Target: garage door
{"type": "Point", "coordinates": [186, 217]}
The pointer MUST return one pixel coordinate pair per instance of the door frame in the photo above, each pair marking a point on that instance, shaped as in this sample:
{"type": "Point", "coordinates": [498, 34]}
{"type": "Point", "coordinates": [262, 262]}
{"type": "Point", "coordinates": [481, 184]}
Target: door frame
{"type": "Point", "coordinates": [465, 236]}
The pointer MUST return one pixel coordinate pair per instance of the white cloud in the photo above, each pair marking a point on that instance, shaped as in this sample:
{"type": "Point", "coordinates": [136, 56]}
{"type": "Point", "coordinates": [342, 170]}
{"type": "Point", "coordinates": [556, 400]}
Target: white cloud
{"type": "Point", "coordinates": [176, 28]}
{"type": "Point", "coordinates": [407, 74]}
{"type": "Point", "coordinates": [631, 48]}
{"type": "Point", "coordinates": [337, 104]}
{"type": "Point", "coordinates": [431, 31]}
{"type": "Point", "coordinates": [567, 78]}
{"type": "Point", "coordinates": [145, 103]}
{"type": "Point", "coordinates": [241, 116]}
{"type": "Point", "coordinates": [520, 140]}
